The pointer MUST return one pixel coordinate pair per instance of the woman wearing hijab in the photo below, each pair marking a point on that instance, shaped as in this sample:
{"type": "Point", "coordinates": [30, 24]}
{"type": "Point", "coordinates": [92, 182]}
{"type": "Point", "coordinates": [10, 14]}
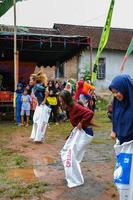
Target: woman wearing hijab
{"type": "Point", "coordinates": [122, 121]}
{"type": "Point", "coordinates": [79, 90]}
{"type": "Point", "coordinates": [68, 88]}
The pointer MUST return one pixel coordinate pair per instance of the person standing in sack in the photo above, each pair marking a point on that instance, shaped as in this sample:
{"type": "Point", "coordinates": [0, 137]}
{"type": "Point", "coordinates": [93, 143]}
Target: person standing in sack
{"type": "Point", "coordinates": [122, 130]}
{"type": "Point", "coordinates": [80, 118]}
{"type": "Point", "coordinates": [39, 83]}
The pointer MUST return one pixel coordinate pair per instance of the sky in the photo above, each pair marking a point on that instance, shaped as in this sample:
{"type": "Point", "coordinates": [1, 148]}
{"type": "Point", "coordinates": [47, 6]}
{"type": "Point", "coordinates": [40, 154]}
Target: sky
{"type": "Point", "coordinates": [44, 13]}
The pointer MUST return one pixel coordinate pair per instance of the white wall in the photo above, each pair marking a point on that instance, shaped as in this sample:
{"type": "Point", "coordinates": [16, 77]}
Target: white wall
{"type": "Point", "coordinates": [113, 62]}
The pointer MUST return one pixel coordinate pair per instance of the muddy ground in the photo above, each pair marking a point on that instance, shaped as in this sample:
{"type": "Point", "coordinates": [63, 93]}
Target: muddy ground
{"type": "Point", "coordinates": [31, 171]}
{"type": "Point", "coordinates": [97, 167]}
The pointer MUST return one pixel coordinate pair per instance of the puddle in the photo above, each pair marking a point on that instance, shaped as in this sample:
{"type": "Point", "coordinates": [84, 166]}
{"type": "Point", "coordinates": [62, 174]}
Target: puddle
{"type": "Point", "coordinates": [26, 174]}
{"type": "Point", "coordinates": [41, 170]}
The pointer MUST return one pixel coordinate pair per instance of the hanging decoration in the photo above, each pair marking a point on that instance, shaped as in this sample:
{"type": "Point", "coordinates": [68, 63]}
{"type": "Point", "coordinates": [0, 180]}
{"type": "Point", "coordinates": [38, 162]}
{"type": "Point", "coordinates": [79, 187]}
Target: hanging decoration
{"type": "Point", "coordinates": [22, 44]}
{"type": "Point", "coordinates": [78, 42]}
{"type": "Point", "coordinates": [65, 42]}
{"type": "Point", "coordinates": [50, 40]}
{"type": "Point", "coordinates": [41, 44]}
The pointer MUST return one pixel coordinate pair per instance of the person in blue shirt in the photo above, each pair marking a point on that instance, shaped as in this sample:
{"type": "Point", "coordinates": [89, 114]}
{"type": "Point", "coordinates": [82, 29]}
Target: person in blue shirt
{"type": "Point", "coordinates": [19, 93]}
{"type": "Point", "coordinates": [25, 108]}
{"type": "Point", "coordinates": [38, 82]}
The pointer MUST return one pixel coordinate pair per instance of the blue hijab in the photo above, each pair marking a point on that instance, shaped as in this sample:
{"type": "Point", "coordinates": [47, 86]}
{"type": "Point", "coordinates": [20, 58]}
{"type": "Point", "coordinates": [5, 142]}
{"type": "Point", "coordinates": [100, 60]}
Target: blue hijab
{"type": "Point", "coordinates": [123, 110]}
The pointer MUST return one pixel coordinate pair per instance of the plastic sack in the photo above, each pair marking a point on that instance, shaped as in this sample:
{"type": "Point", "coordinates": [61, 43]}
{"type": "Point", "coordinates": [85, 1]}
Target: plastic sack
{"type": "Point", "coordinates": [123, 173]}
{"type": "Point", "coordinates": [72, 154]}
{"type": "Point", "coordinates": [40, 122]}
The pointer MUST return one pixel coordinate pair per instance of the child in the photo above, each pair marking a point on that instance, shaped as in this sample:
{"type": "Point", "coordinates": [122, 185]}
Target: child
{"type": "Point", "coordinates": [42, 112]}
{"type": "Point", "coordinates": [18, 102]}
{"type": "Point", "coordinates": [68, 88]}
{"type": "Point", "coordinates": [33, 103]}
{"type": "Point", "coordinates": [79, 115]}
{"type": "Point", "coordinates": [53, 102]}
{"type": "Point", "coordinates": [79, 89]}
{"type": "Point", "coordinates": [25, 109]}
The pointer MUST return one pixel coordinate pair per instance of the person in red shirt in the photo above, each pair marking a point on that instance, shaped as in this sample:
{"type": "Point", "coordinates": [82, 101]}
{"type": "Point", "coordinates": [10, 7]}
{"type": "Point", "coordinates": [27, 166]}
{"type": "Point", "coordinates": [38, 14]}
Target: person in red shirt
{"type": "Point", "coordinates": [73, 151]}
{"type": "Point", "coordinates": [79, 115]}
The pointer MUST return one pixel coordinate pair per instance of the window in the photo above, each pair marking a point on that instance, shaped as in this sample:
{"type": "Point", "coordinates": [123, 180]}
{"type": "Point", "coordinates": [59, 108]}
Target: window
{"type": "Point", "coordinates": [59, 72]}
{"type": "Point", "coordinates": [101, 69]}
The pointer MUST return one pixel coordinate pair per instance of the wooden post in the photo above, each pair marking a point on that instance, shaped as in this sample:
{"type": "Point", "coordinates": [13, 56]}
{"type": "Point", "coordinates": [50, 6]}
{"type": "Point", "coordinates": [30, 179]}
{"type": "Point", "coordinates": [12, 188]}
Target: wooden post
{"type": "Point", "coordinates": [15, 59]}
{"type": "Point", "coordinates": [15, 47]}
{"type": "Point", "coordinates": [90, 44]}
{"type": "Point", "coordinates": [17, 66]}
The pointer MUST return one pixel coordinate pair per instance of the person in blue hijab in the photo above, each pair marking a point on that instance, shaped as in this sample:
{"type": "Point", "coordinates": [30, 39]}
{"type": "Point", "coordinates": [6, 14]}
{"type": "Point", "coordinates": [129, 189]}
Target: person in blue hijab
{"type": "Point", "coordinates": [122, 118]}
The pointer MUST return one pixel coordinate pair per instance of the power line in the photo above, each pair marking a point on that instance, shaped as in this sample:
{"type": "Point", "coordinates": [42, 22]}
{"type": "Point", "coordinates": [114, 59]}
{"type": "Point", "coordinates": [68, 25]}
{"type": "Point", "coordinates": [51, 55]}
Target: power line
{"type": "Point", "coordinates": [95, 18]}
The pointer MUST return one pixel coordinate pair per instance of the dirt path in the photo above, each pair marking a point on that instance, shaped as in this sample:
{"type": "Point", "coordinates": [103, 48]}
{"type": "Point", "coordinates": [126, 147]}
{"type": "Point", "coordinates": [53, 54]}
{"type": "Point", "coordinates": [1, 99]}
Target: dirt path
{"type": "Point", "coordinates": [97, 168]}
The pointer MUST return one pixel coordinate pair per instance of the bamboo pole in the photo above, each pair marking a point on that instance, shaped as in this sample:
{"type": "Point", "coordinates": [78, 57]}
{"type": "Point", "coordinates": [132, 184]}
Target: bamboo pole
{"type": "Point", "coordinates": [15, 58]}
{"type": "Point", "coordinates": [15, 47]}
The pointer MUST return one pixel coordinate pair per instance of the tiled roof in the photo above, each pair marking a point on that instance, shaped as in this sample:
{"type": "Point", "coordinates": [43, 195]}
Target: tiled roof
{"type": "Point", "coordinates": [119, 38]}
{"type": "Point", "coordinates": [25, 29]}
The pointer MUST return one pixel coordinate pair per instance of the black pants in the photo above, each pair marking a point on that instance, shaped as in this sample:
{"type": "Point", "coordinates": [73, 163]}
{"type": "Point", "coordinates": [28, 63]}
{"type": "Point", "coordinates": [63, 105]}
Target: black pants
{"type": "Point", "coordinates": [54, 113]}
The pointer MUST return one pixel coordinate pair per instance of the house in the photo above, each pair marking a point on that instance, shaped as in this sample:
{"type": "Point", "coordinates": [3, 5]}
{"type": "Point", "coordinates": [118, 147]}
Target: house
{"type": "Point", "coordinates": [112, 55]}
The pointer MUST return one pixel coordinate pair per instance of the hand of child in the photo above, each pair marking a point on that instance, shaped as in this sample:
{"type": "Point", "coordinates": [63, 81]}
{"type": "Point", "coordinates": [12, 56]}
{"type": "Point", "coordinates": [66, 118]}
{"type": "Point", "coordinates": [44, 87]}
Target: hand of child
{"type": "Point", "coordinates": [113, 135]}
{"type": "Point", "coordinates": [43, 103]}
{"type": "Point", "coordinates": [79, 126]}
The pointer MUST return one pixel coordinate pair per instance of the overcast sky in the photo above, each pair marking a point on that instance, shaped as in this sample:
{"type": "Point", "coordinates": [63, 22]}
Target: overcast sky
{"type": "Point", "coordinates": [44, 13]}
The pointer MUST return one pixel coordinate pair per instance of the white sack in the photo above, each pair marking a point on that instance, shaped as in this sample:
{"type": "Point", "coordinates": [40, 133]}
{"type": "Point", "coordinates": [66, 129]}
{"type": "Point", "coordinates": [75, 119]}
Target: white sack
{"type": "Point", "coordinates": [72, 154]}
{"type": "Point", "coordinates": [123, 173]}
{"type": "Point", "coordinates": [40, 122]}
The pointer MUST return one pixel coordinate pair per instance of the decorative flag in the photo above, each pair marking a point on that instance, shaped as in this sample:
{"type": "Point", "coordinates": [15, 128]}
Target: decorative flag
{"type": "Point", "coordinates": [103, 39]}
{"type": "Point", "coordinates": [6, 5]}
{"type": "Point", "coordinates": [129, 51]}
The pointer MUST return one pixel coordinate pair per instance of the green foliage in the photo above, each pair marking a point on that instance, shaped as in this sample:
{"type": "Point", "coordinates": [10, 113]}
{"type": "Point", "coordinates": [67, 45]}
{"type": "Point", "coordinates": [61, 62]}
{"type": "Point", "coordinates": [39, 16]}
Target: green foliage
{"type": "Point", "coordinates": [19, 160]}
{"type": "Point", "coordinates": [102, 104]}
{"type": "Point", "coordinates": [86, 73]}
{"type": "Point", "coordinates": [11, 189]}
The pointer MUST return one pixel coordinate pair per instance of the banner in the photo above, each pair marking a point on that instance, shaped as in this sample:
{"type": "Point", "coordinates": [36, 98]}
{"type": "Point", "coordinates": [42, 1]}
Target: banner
{"type": "Point", "coordinates": [129, 51]}
{"type": "Point", "coordinates": [6, 5]}
{"type": "Point", "coordinates": [103, 39]}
